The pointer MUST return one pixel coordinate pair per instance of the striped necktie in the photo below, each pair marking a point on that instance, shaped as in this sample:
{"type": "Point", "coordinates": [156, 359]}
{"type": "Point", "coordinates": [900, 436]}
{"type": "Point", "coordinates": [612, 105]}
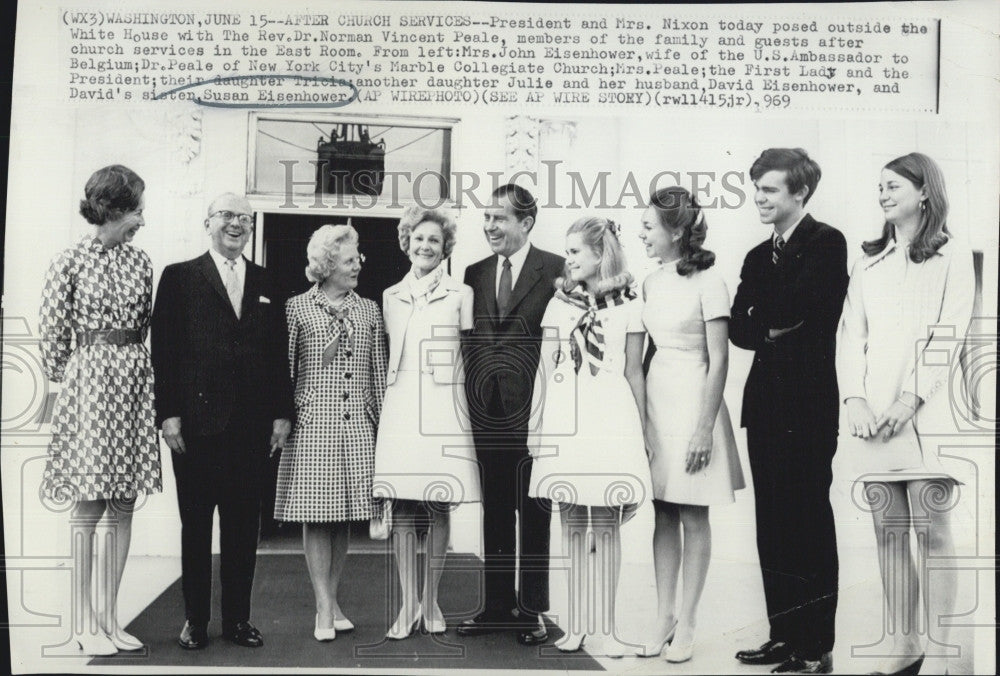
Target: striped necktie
{"type": "Point", "coordinates": [778, 249]}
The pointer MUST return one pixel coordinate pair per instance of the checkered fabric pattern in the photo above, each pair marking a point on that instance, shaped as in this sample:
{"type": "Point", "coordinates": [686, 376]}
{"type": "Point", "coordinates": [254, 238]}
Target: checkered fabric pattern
{"type": "Point", "coordinates": [326, 469]}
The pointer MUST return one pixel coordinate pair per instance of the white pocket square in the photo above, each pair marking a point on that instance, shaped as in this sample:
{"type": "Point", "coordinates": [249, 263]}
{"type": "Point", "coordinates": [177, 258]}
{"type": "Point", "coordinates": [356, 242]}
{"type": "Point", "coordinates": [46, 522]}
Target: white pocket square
{"type": "Point", "coordinates": [263, 299]}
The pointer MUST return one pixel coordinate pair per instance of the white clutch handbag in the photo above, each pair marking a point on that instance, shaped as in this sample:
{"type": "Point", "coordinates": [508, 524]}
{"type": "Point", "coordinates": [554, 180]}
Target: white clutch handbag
{"type": "Point", "coordinates": [380, 525]}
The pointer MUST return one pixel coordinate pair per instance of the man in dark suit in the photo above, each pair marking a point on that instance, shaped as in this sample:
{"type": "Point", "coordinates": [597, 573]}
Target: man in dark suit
{"type": "Point", "coordinates": [786, 310]}
{"type": "Point", "coordinates": [512, 289]}
{"type": "Point", "coordinates": [223, 397]}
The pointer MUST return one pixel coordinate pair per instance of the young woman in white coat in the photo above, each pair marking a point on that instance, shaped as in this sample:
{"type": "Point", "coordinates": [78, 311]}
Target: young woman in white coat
{"type": "Point", "coordinates": [909, 301]}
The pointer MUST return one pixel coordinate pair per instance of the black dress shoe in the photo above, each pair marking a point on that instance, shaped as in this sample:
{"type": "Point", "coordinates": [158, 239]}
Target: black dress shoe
{"type": "Point", "coordinates": [193, 637]}
{"type": "Point", "coordinates": [534, 635]}
{"type": "Point", "coordinates": [799, 665]}
{"type": "Point", "coordinates": [244, 634]}
{"type": "Point", "coordinates": [772, 652]}
{"type": "Point", "coordinates": [482, 624]}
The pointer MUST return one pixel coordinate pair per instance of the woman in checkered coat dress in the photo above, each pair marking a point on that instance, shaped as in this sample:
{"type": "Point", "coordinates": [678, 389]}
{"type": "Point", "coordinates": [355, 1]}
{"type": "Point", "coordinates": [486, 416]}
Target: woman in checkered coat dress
{"type": "Point", "coordinates": [337, 354]}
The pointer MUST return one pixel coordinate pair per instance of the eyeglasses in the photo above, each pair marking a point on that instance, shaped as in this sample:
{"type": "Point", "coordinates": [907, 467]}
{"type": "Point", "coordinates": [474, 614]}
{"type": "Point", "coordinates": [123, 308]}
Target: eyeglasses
{"type": "Point", "coordinates": [246, 220]}
{"type": "Point", "coordinates": [349, 262]}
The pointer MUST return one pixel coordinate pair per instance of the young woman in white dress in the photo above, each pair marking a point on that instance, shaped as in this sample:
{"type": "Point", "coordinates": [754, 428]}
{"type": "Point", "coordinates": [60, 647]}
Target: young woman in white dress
{"type": "Point", "coordinates": [425, 459]}
{"type": "Point", "coordinates": [912, 279]}
{"type": "Point", "coordinates": [689, 436]}
{"type": "Point", "coordinates": [590, 457]}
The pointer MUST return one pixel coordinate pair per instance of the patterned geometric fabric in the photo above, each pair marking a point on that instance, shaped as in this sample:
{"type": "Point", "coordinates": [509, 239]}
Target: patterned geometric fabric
{"type": "Point", "coordinates": [104, 439]}
{"type": "Point", "coordinates": [326, 469]}
{"type": "Point", "coordinates": [587, 337]}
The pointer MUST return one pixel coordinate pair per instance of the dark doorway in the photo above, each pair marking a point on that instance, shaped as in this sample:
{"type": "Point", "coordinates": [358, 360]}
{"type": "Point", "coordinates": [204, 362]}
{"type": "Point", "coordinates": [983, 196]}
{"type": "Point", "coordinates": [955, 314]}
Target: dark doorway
{"type": "Point", "coordinates": [284, 237]}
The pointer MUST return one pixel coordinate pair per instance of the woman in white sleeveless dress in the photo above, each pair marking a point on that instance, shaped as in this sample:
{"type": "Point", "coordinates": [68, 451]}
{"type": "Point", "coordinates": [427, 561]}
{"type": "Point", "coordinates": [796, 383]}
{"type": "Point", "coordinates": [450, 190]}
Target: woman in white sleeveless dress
{"type": "Point", "coordinates": [425, 460]}
{"type": "Point", "coordinates": [689, 436]}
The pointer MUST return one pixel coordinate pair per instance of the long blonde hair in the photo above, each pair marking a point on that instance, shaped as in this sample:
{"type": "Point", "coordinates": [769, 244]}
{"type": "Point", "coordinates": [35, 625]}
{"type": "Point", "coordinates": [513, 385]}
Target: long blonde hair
{"type": "Point", "coordinates": [600, 234]}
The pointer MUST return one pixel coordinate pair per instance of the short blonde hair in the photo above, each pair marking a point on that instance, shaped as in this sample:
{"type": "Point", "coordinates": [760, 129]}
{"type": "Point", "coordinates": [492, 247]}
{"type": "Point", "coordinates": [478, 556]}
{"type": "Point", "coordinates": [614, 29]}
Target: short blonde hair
{"type": "Point", "coordinates": [324, 246]}
{"type": "Point", "coordinates": [415, 215]}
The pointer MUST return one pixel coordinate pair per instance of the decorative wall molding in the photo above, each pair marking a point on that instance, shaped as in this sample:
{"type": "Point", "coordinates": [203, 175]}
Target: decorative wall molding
{"type": "Point", "coordinates": [563, 132]}
{"type": "Point", "coordinates": [177, 130]}
{"type": "Point", "coordinates": [522, 140]}
{"type": "Point", "coordinates": [178, 127]}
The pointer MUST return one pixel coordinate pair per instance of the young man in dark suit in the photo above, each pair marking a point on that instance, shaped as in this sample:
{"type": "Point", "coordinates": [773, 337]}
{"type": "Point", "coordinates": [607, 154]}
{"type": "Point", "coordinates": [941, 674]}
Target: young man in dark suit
{"type": "Point", "coordinates": [223, 398]}
{"type": "Point", "coordinates": [786, 310]}
{"type": "Point", "coordinates": [512, 289]}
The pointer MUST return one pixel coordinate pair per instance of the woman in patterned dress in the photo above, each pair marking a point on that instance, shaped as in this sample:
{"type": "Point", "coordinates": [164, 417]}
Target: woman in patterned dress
{"type": "Point", "coordinates": [425, 459]}
{"type": "Point", "coordinates": [104, 451]}
{"type": "Point", "coordinates": [336, 349]}
{"type": "Point", "coordinates": [689, 436]}
{"type": "Point", "coordinates": [912, 282]}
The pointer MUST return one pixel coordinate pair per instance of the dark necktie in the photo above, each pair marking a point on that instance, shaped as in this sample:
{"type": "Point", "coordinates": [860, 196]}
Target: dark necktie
{"type": "Point", "coordinates": [503, 294]}
{"type": "Point", "coordinates": [779, 247]}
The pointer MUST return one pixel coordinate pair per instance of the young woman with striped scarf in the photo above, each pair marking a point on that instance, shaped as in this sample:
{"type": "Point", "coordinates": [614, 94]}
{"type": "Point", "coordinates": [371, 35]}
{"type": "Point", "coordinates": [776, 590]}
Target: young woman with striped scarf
{"type": "Point", "coordinates": [589, 459]}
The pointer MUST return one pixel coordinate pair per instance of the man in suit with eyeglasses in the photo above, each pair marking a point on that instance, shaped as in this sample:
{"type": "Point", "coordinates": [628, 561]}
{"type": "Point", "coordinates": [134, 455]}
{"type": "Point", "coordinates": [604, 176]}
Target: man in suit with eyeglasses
{"type": "Point", "coordinates": [223, 399]}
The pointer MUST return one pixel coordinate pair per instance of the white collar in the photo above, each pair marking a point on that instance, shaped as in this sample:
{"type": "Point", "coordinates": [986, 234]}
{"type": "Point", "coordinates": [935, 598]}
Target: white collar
{"type": "Point", "coordinates": [220, 261]}
{"type": "Point", "coordinates": [518, 257]}
{"type": "Point", "coordinates": [788, 233]}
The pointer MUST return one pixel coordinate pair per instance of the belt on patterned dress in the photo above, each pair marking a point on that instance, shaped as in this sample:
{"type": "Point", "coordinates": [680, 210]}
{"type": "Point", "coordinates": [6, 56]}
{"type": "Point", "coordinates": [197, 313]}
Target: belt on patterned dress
{"type": "Point", "coordinates": [108, 337]}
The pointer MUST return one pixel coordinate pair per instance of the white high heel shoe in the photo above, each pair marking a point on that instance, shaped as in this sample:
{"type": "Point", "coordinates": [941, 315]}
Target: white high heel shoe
{"type": "Point", "coordinates": [124, 640]}
{"type": "Point", "coordinates": [435, 626]}
{"type": "Point", "coordinates": [402, 628]}
{"type": "Point", "coordinates": [656, 648]}
{"type": "Point", "coordinates": [343, 625]}
{"type": "Point", "coordinates": [571, 643]}
{"type": "Point", "coordinates": [677, 652]}
{"type": "Point", "coordinates": [321, 634]}
{"type": "Point", "coordinates": [96, 645]}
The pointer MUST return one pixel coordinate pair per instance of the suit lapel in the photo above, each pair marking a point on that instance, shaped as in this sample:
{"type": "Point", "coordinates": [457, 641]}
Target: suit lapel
{"type": "Point", "coordinates": [252, 288]}
{"type": "Point", "coordinates": [444, 286]}
{"type": "Point", "coordinates": [530, 274]}
{"type": "Point", "coordinates": [399, 293]}
{"type": "Point", "coordinates": [395, 322]}
{"type": "Point", "coordinates": [488, 286]}
{"type": "Point", "coordinates": [211, 274]}
{"type": "Point", "coordinates": [802, 233]}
